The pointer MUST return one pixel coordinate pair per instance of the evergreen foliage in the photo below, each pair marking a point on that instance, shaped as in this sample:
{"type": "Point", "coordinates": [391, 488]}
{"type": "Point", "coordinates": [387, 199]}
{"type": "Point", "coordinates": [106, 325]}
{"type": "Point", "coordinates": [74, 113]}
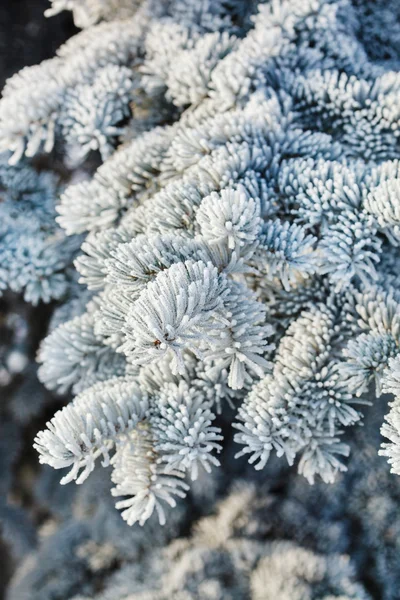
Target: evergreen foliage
{"type": "Point", "coordinates": [242, 236]}
{"type": "Point", "coordinates": [35, 253]}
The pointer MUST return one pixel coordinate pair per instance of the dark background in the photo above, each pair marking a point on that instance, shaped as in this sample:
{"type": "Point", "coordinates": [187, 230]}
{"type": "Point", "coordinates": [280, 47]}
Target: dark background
{"type": "Point", "coordinates": [27, 37]}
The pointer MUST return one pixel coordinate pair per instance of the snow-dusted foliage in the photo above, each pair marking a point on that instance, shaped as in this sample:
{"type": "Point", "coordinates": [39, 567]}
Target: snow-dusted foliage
{"type": "Point", "coordinates": [89, 12]}
{"type": "Point", "coordinates": [34, 251]}
{"type": "Point", "coordinates": [241, 241]}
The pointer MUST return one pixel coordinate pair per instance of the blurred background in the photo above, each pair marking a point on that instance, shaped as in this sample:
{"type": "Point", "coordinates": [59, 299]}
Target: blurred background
{"type": "Point", "coordinates": [27, 37]}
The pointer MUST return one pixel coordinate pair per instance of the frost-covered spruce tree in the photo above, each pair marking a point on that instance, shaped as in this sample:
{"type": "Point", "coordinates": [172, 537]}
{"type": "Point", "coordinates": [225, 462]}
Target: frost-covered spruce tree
{"type": "Point", "coordinates": [241, 241]}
